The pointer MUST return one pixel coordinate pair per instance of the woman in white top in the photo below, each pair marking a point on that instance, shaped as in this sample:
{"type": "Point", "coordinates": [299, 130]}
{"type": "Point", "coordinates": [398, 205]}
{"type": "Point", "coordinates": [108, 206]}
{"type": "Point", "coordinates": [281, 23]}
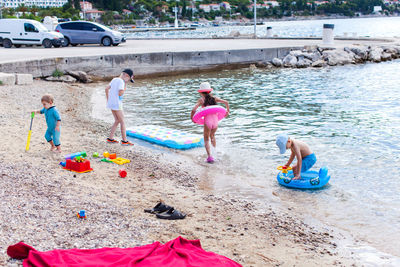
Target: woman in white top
{"type": "Point", "coordinates": [114, 93]}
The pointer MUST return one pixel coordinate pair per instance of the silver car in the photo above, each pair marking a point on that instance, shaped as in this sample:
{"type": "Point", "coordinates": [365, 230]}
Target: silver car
{"type": "Point", "coordinates": [87, 32]}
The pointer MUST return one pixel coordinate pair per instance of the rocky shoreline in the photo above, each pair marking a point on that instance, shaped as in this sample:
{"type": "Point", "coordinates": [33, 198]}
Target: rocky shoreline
{"type": "Point", "coordinates": [316, 56]}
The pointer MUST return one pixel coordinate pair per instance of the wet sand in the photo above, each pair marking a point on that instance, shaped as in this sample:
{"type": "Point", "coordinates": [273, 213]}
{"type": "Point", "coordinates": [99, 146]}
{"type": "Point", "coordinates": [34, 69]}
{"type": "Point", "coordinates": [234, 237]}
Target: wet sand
{"type": "Point", "coordinates": [40, 199]}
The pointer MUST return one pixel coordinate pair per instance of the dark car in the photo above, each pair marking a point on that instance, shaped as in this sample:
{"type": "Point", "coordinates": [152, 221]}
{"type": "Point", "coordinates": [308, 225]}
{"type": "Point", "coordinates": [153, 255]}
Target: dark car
{"type": "Point", "coordinates": [86, 32]}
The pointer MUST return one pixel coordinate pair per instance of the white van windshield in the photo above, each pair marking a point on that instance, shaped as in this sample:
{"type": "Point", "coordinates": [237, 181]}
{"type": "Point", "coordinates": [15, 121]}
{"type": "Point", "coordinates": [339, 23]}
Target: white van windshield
{"type": "Point", "coordinates": [40, 27]}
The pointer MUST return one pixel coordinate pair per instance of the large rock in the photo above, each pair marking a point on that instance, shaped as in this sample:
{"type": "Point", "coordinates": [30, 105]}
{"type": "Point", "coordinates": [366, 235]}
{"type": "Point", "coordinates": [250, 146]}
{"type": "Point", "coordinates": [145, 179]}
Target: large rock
{"type": "Point", "coordinates": [296, 53]}
{"type": "Point", "coordinates": [310, 48]}
{"type": "Point", "coordinates": [318, 64]}
{"type": "Point", "coordinates": [375, 54]}
{"type": "Point", "coordinates": [303, 62]}
{"type": "Point", "coordinates": [64, 78]}
{"type": "Point", "coordinates": [21, 79]}
{"type": "Point", "coordinates": [7, 78]}
{"type": "Point", "coordinates": [361, 52]}
{"type": "Point", "coordinates": [337, 57]}
{"type": "Point", "coordinates": [290, 61]}
{"type": "Point", "coordinates": [393, 51]}
{"type": "Point", "coordinates": [386, 56]}
{"type": "Point", "coordinates": [277, 62]}
{"type": "Point", "coordinates": [80, 76]}
{"type": "Point", "coordinates": [314, 56]}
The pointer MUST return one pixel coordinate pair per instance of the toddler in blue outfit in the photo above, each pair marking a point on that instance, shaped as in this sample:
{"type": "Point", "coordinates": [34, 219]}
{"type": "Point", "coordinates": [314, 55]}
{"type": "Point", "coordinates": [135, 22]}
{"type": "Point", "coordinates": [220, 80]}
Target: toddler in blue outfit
{"type": "Point", "coordinates": [305, 157]}
{"type": "Point", "coordinates": [53, 121]}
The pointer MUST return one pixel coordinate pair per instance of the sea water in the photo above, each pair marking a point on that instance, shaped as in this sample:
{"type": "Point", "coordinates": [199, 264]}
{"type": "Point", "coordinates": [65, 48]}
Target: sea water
{"type": "Point", "coordinates": [348, 115]}
{"type": "Point", "coordinates": [356, 27]}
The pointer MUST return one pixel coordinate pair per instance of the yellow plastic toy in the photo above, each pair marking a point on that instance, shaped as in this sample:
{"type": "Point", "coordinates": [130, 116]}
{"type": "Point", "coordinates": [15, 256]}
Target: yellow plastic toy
{"type": "Point", "coordinates": [284, 169]}
{"type": "Point", "coordinates": [120, 161]}
{"type": "Point", "coordinates": [106, 154]}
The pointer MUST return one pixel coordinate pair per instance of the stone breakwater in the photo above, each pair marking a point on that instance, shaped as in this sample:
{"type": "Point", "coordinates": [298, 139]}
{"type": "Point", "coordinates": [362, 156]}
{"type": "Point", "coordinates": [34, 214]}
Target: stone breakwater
{"type": "Point", "coordinates": [315, 56]}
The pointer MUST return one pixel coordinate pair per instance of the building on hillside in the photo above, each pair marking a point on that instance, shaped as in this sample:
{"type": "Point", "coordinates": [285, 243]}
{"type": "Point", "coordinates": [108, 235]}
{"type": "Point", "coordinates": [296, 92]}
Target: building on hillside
{"type": "Point", "coordinates": [126, 12]}
{"type": "Point", "coordinates": [272, 3]}
{"type": "Point", "coordinates": [225, 5]}
{"type": "Point", "coordinates": [318, 3]}
{"type": "Point", "coordinates": [86, 5]}
{"type": "Point", "coordinates": [258, 6]}
{"type": "Point", "coordinates": [215, 7]}
{"type": "Point", "coordinates": [29, 3]}
{"type": "Point", "coordinates": [94, 14]}
{"type": "Point", "coordinates": [377, 9]}
{"type": "Point", "coordinates": [206, 8]}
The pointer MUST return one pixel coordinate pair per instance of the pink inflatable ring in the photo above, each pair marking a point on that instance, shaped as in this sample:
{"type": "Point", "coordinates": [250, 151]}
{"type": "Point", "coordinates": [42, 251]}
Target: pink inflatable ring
{"type": "Point", "coordinates": [201, 113]}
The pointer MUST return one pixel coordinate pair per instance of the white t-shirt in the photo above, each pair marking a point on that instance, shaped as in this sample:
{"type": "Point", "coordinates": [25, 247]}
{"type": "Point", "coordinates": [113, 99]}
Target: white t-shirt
{"type": "Point", "coordinates": [114, 100]}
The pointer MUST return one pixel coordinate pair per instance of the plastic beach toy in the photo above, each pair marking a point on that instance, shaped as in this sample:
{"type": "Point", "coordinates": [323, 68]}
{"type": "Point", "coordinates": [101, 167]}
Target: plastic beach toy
{"type": "Point", "coordinates": [308, 179]}
{"type": "Point", "coordinates": [81, 214]}
{"type": "Point", "coordinates": [77, 154]}
{"type": "Point", "coordinates": [80, 166]}
{"type": "Point", "coordinates": [201, 113]}
{"type": "Point", "coordinates": [122, 173]}
{"type": "Point", "coordinates": [166, 137]}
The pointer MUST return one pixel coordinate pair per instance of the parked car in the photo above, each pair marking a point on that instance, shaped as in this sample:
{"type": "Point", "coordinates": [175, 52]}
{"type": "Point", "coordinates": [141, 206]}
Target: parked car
{"type": "Point", "coordinates": [86, 32]}
{"type": "Point", "coordinates": [19, 32]}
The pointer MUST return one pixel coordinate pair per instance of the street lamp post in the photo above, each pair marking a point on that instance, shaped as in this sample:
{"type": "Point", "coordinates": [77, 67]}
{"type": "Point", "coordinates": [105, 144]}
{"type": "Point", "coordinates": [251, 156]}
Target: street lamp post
{"type": "Point", "coordinates": [83, 9]}
{"type": "Point", "coordinates": [176, 16]}
{"type": "Point", "coordinates": [255, 18]}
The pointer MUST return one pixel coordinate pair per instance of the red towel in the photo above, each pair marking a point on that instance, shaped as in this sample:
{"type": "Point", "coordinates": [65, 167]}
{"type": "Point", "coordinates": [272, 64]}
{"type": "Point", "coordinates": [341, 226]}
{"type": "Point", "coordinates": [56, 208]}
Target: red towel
{"type": "Point", "coordinates": [176, 253]}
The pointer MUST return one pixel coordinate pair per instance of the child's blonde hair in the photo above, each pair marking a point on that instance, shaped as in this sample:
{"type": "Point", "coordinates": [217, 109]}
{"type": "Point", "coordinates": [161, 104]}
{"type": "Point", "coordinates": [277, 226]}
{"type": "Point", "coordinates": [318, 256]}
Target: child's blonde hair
{"type": "Point", "coordinates": [48, 99]}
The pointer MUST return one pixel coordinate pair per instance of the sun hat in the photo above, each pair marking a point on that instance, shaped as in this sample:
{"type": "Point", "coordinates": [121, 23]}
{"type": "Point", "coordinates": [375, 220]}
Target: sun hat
{"type": "Point", "coordinates": [205, 87]}
{"type": "Point", "coordinates": [281, 142]}
{"type": "Point", "coordinates": [130, 73]}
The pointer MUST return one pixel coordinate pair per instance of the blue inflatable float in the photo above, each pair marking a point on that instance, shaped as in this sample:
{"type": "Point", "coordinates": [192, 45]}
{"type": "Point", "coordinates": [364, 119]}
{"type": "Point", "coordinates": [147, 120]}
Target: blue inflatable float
{"type": "Point", "coordinates": [166, 137]}
{"type": "Point", "coordinates": [308, 180]}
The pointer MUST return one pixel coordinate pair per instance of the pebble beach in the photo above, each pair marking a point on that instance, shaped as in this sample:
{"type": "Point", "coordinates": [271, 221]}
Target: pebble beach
{"type": "Point", "coordinates": [40, 199]}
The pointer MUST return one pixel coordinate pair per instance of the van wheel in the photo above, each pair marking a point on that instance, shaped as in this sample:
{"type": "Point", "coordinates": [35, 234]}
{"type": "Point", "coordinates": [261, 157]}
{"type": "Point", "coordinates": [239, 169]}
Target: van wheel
{"type": "Point", "coordinates": [17, 45]}
{"type": "Point", "coordinates": [106, 41]}
{"type": "Point", "coordinates": [7, 43]}
{"type": "Point", "coordinates": [66, 42]}
{"type": "Point", "coordinates": [47, 43]}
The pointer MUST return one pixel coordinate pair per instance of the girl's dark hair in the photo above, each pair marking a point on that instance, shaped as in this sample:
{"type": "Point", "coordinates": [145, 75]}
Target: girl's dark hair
{"type": "Point", "coordinates": [209, 100]}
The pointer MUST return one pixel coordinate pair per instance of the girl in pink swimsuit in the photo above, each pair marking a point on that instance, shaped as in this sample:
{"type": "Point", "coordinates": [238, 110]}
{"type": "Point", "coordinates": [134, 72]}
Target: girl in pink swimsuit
{"type": "Point", "coordinates": [210, 120]}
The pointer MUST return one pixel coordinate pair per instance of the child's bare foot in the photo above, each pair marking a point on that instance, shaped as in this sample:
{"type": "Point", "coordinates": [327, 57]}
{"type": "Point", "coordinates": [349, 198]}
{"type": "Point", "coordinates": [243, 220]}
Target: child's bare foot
{"type": "Point", "coordinates": [52, 148]}
{"type": "Point", "coordinates": [58, 149]}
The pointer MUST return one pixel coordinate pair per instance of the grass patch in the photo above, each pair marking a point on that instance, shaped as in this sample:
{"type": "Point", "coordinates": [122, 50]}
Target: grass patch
{"type": "Point", "coordinates": [1, 82]}
{"type": "Point", "coordinates": [57, 73]}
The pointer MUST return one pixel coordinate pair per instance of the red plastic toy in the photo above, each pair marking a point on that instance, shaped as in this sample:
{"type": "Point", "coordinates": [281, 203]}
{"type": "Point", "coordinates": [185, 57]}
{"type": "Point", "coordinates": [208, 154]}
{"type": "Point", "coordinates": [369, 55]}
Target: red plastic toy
{"type": "Point", "coordinates": [80, 167]}
{"type": "Point", "coordinates": [122, 173]}
{"type": "Point", "coordinates": [113, 156]}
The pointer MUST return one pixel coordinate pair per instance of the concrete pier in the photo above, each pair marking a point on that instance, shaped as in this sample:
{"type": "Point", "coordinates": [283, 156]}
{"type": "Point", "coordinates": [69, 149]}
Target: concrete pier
{"type": "Point", "coordinates": [153, 57]}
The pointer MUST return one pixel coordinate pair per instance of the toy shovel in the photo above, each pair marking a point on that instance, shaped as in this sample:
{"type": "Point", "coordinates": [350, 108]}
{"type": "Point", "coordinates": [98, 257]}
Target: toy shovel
{"type": "Point", "coordinates": [30, 132]}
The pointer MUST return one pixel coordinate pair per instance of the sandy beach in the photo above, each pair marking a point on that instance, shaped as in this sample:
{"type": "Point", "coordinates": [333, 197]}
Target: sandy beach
{"type": "Point", "coordinates": [40, 199]}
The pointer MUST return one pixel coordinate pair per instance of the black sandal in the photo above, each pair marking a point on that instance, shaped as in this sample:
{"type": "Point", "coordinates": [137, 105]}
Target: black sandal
{"type": "Point", "coordinates": [159, 208]}
{"type": "Point", "coordinates": [171, 214]}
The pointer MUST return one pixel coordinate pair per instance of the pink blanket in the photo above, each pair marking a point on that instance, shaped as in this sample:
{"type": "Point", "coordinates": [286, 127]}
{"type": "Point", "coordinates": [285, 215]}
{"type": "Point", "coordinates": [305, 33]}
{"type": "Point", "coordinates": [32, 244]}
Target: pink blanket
{"type": "Point", "coordinates": [176, 253]}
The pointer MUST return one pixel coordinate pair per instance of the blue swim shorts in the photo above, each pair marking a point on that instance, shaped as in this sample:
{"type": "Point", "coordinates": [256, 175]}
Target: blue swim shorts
{"type": "Point", "coordinates": [308, 162]}
{"type": "Point", "coordinates": [53, 135]}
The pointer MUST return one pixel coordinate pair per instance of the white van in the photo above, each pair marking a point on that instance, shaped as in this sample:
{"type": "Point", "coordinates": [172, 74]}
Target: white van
{"type": "Point", "coordinates": [19, 32]}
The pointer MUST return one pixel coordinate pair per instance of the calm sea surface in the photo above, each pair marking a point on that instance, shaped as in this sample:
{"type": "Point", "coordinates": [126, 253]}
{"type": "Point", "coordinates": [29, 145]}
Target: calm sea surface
{"type": "Point", "coordinates": [349, 115]}
{"type": "Point", "coordinates": [375, 27]}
